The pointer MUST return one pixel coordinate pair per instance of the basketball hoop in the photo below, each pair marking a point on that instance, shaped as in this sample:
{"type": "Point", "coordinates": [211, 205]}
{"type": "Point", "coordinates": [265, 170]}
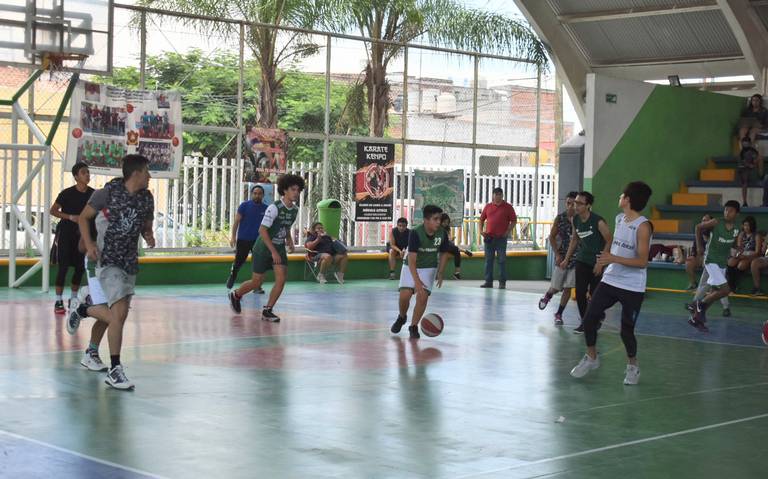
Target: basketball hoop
{"type": "Point", "coordinates": [56, 63]}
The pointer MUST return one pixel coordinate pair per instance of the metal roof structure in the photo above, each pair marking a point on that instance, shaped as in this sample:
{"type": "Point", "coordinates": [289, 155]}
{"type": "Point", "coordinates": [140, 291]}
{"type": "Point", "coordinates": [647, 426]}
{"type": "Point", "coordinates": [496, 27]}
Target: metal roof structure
{"type": "Point", "coordinates": [653, 39]}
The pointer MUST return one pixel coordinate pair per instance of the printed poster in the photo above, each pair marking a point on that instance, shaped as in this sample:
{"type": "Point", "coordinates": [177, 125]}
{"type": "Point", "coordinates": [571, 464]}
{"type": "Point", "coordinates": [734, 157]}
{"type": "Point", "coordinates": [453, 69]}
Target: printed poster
{"type": "Point", "coordinates": [440, 188]}
{"type": "Point", "coordinates": [265, 157]}
{"type": "Point", "coordinates": [106, 123]}
{"type": "Point", "coordinates": [373, 182]}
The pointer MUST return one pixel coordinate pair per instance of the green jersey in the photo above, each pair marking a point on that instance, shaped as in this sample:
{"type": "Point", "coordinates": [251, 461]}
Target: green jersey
{"type": "Point", "coordinates": [427, 248]}
{"type": "Point", "coordinates": [278, 220]}
{"type": "Point", "coordinates": [591, 241]}
{"type": "Point", "coordinates": [721, 240]}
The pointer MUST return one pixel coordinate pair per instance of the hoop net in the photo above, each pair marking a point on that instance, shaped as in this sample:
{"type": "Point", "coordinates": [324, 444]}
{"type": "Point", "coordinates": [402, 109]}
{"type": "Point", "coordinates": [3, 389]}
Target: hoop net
{"type": "Point", "coordinates": [60, 65]}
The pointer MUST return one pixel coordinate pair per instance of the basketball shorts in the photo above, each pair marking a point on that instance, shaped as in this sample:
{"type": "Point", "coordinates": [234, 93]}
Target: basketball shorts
{"type": "Point", "coordinates": [116, 284]}
{"type": "Point", "coordinates": [426, 275]}
{"type": "Point", "coordinates": [94, 286]}
{"type": "Point", "coordinates": [563, 278]}
{"type": "Point", "coordinates": [715, 275]}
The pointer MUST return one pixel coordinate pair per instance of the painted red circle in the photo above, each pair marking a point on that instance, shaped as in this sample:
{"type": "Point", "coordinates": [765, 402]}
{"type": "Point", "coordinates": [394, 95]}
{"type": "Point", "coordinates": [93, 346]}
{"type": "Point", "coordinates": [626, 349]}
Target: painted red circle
{"type": "Point", "coordinates": [175, 141]}
{"type": "Point", "coordinates": [77, 132]}
{"type": "Point", "coordinates": [129, 108]}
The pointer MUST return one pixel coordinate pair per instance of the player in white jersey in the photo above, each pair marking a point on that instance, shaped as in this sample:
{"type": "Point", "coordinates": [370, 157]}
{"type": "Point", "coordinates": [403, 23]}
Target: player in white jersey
{"type": "Point", "coordinates": [623, 281]}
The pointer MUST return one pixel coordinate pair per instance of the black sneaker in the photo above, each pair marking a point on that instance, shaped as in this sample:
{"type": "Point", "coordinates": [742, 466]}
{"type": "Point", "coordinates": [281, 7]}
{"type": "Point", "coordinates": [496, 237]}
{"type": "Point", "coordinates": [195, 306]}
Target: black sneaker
{"type": "Point", "coordinates": [689, 307]}
{"type": "Point", "coordinates": [579, 329]}
{"type": "Point", "coordinates": [398, 324]}
{"type": "Point", "coordinates": [392, 275]}
{"type": "Point", "coordinates": [58, 307]}
{"type": "Point", "coordinates": [414, 332]}
{"type": "Point", "coordinates": [456, 275]}
{"type": "Point", "coordinates": [726, 312]}
{"type": "Point", "coordinates": [230, 281]}
{"type": "Point", "coordinates": [698, 325]}
{"type": "Point", "coordinates": [468, 253]}
{"type": "Point", "coordinates": [234, 302]}
{"type": "Point", "coordinates": [73, 322]}
{"type": "Point", "coordinates": [502, 285]}
{"type": "Point", "coordinates": [268, 315]}
{"type": "Point", "coordinates": [259, 291]}
{"type": "Point", "coordinates": [486, 285]}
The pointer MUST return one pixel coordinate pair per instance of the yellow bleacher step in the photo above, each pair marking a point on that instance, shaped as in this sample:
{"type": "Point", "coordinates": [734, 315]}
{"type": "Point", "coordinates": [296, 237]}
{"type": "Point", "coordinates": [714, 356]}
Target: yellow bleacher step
{"type": "Point", "coordinates": [666, 226]}
{"type": "Point", "coordinates": [690, 199]}
{"type": "Point", "coordinates": [713, 174]}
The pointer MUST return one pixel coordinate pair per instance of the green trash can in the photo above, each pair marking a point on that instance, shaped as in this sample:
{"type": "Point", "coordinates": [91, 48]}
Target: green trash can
{"type": "Point", "coordinates": [329, 214]}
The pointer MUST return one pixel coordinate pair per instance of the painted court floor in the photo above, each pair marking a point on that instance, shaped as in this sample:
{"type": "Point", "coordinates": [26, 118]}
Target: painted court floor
{"type": "Point", "coordinates": [329, 392]}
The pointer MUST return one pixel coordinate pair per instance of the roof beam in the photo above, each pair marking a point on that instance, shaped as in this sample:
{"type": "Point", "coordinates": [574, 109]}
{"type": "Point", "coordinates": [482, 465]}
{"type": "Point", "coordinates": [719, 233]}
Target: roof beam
{"type": "Point", "coordinates": [667, 60]}
{"type": "Point", "coordinates": [606, 15]}
{"type": "Point", "coordinates": [750, 33]}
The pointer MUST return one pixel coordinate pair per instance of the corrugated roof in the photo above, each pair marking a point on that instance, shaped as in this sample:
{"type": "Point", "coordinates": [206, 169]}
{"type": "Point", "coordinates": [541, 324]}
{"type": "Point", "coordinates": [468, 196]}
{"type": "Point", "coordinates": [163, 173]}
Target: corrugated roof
{"type": "Point", "coordinates": [674, 36]}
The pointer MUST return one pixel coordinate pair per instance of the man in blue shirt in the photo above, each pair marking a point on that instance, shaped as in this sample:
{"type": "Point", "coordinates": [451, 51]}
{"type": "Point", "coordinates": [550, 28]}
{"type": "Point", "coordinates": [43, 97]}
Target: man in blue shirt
{"type": "Point", "coordinates": [245, 231]}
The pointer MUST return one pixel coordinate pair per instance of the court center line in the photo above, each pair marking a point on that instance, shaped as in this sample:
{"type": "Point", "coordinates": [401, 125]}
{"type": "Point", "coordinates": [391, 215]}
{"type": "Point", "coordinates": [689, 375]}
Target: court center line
{"type": "Point", "coordinates": [616, 446]}
{"type": "Point", "coordinates": [669, 396]}
{"type": "Point", "coordinates": [80, 455]}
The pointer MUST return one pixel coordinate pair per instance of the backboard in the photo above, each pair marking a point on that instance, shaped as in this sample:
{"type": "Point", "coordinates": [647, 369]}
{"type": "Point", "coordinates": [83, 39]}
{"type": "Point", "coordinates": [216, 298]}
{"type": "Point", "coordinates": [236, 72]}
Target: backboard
{"type": "Point", "coordinates": [31, 28]}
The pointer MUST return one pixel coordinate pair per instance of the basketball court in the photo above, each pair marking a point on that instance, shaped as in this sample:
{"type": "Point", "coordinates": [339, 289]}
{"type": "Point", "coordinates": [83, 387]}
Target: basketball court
{"type": "Point", "coordinates": [330, 392]}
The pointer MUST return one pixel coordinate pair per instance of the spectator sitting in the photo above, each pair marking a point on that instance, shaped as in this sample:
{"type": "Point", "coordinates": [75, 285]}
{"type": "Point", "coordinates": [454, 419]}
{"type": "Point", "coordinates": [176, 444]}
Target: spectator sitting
{"type": "Point", "coordinates": [753, 119]}
{"type": "Point", "coordinates": [397, 244]}
{"type": "Point", "coordinates": [749, 244]}
{"type": "Point", "coordinates": [757, 267]}
{"type": "Point", "coordinates": [327, 251]}
{"type": "Point", "coordinates": [445, 223]}
{"type": "Point", "coordinates": [749, 159]}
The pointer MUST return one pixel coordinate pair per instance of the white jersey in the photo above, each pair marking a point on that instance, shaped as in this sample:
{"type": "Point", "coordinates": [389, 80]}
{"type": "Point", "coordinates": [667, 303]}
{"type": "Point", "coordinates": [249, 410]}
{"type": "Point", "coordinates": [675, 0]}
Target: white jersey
{"type": "Point", "coordinates": [625, 245]}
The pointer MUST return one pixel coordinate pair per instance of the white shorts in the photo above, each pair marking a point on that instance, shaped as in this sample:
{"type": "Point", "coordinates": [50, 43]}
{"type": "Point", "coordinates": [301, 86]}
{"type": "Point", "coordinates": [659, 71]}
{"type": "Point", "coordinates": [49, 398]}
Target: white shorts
{"type": "Point", "coordinates": [94, 286]}
{"type": "Point", "coordinates": [426, 275]}
{"type": "Point", "coordinates": [563, 278]}
{"type": "Point", "coordinates": [715, 274]}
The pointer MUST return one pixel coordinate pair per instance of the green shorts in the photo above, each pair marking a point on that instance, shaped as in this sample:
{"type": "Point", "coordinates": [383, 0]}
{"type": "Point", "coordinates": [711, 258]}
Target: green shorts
{"type": "Point", "coordinates": [262, 258]}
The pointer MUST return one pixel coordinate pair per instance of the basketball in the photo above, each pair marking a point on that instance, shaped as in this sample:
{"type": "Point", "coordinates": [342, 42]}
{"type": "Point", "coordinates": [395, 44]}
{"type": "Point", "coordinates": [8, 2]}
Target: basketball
{"type": "Point", "coordinates": [431, 325]}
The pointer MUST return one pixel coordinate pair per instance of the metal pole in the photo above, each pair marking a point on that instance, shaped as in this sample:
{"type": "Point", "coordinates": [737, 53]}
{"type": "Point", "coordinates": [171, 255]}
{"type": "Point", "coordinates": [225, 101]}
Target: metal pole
{"type": "Point", "coordinates": [13, 224]}
{"type": "Point", "coordinates": [475, 80]}
{"type": "Point", "coordinates": [327, 119]}
{"type": "Point", "coordinates": [143, 50]}
{"type": "Point", "coordinates": [405, 133]}
{"type": "Point", "coordinates": [47, 220]}
{"type": "Point", "coordinates": [536, 172]}
{"type": "Point", "coordinates": [239, 145]}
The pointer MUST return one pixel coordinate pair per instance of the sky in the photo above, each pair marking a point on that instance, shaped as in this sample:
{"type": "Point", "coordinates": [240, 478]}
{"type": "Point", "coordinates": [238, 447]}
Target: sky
{"type": "Point", "coordinates": [346, 56]}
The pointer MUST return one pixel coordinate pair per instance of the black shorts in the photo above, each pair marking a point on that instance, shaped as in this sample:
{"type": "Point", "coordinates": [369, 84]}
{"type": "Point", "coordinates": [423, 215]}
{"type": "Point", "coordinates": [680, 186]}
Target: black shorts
{"type": "Point", "coordinates": [67, 253]}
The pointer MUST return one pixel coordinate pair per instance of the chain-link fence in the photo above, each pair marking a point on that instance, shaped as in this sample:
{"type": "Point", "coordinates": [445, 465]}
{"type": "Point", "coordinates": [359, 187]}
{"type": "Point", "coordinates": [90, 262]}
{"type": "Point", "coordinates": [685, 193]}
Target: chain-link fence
{"type": "Point", "coordinates": [443, 109]}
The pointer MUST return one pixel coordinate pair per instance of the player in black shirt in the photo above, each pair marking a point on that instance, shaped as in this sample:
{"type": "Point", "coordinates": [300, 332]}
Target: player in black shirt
{"type": "Point", "coordinates": [67, 208]}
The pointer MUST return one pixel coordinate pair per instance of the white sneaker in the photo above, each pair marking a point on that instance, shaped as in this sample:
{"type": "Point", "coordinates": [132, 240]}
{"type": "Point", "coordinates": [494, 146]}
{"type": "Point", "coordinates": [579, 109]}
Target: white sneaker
{"type": "Point", "coordinates": [117, 379]}
{"type": "Point", "coordinates": [339, 277]}
{"type": "Point", "coordinates": [321, 279]}
{"type": "Point", "coordinates": [585, 365]}
{"type": "Point", "coordinates": [632, 376]}
{"type": "Point", "coordinates": [92, 362]}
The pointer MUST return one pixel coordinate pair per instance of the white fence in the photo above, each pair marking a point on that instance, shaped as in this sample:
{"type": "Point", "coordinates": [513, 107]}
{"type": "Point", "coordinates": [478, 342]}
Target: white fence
{"type": "Point", "coordinates": [195, 210]}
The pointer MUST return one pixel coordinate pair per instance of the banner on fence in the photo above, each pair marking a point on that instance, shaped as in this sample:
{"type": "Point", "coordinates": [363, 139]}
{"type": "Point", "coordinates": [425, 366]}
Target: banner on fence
{"type": "Point", "coordinates": [265, 155]}
{"type": "Point", "coordinates": [373, 181]}
{"type": "Point", "coordinates": [106, 123]}
{"type": "Point", "coordinates": [440, 188]}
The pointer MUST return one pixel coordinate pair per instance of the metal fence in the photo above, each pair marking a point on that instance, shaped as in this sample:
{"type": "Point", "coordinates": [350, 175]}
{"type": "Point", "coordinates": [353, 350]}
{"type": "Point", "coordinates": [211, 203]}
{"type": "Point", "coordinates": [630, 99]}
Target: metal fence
{"type": "Point", "coordinates": [194, 210]}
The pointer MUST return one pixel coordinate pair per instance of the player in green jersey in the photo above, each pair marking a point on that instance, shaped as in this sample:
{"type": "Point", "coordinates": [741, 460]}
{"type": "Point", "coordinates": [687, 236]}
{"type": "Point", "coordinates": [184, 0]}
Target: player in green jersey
{"type": "Point", "coordinates": [269, 252]}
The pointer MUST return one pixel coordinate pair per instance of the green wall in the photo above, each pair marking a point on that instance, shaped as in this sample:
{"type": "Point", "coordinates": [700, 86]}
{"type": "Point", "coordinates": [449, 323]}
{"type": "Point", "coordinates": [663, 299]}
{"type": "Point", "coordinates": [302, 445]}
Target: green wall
{"type": "Point", "coordinates": [518, 268]}
{"type": "Point", "coordinates": [671, 137]}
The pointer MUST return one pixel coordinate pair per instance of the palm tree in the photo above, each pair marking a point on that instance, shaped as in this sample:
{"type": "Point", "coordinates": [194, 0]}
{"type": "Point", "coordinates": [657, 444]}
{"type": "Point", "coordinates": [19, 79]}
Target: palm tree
{"type": "Point", "coordinates": [442, 22]}
{"type": "Point", "coordinates": [262, 41]}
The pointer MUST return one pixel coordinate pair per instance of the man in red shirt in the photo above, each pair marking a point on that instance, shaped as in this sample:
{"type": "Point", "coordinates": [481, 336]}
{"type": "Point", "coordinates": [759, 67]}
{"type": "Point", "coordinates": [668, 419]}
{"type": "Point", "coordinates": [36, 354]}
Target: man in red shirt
{"type": "Point", "coordinates": [501, 218]}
